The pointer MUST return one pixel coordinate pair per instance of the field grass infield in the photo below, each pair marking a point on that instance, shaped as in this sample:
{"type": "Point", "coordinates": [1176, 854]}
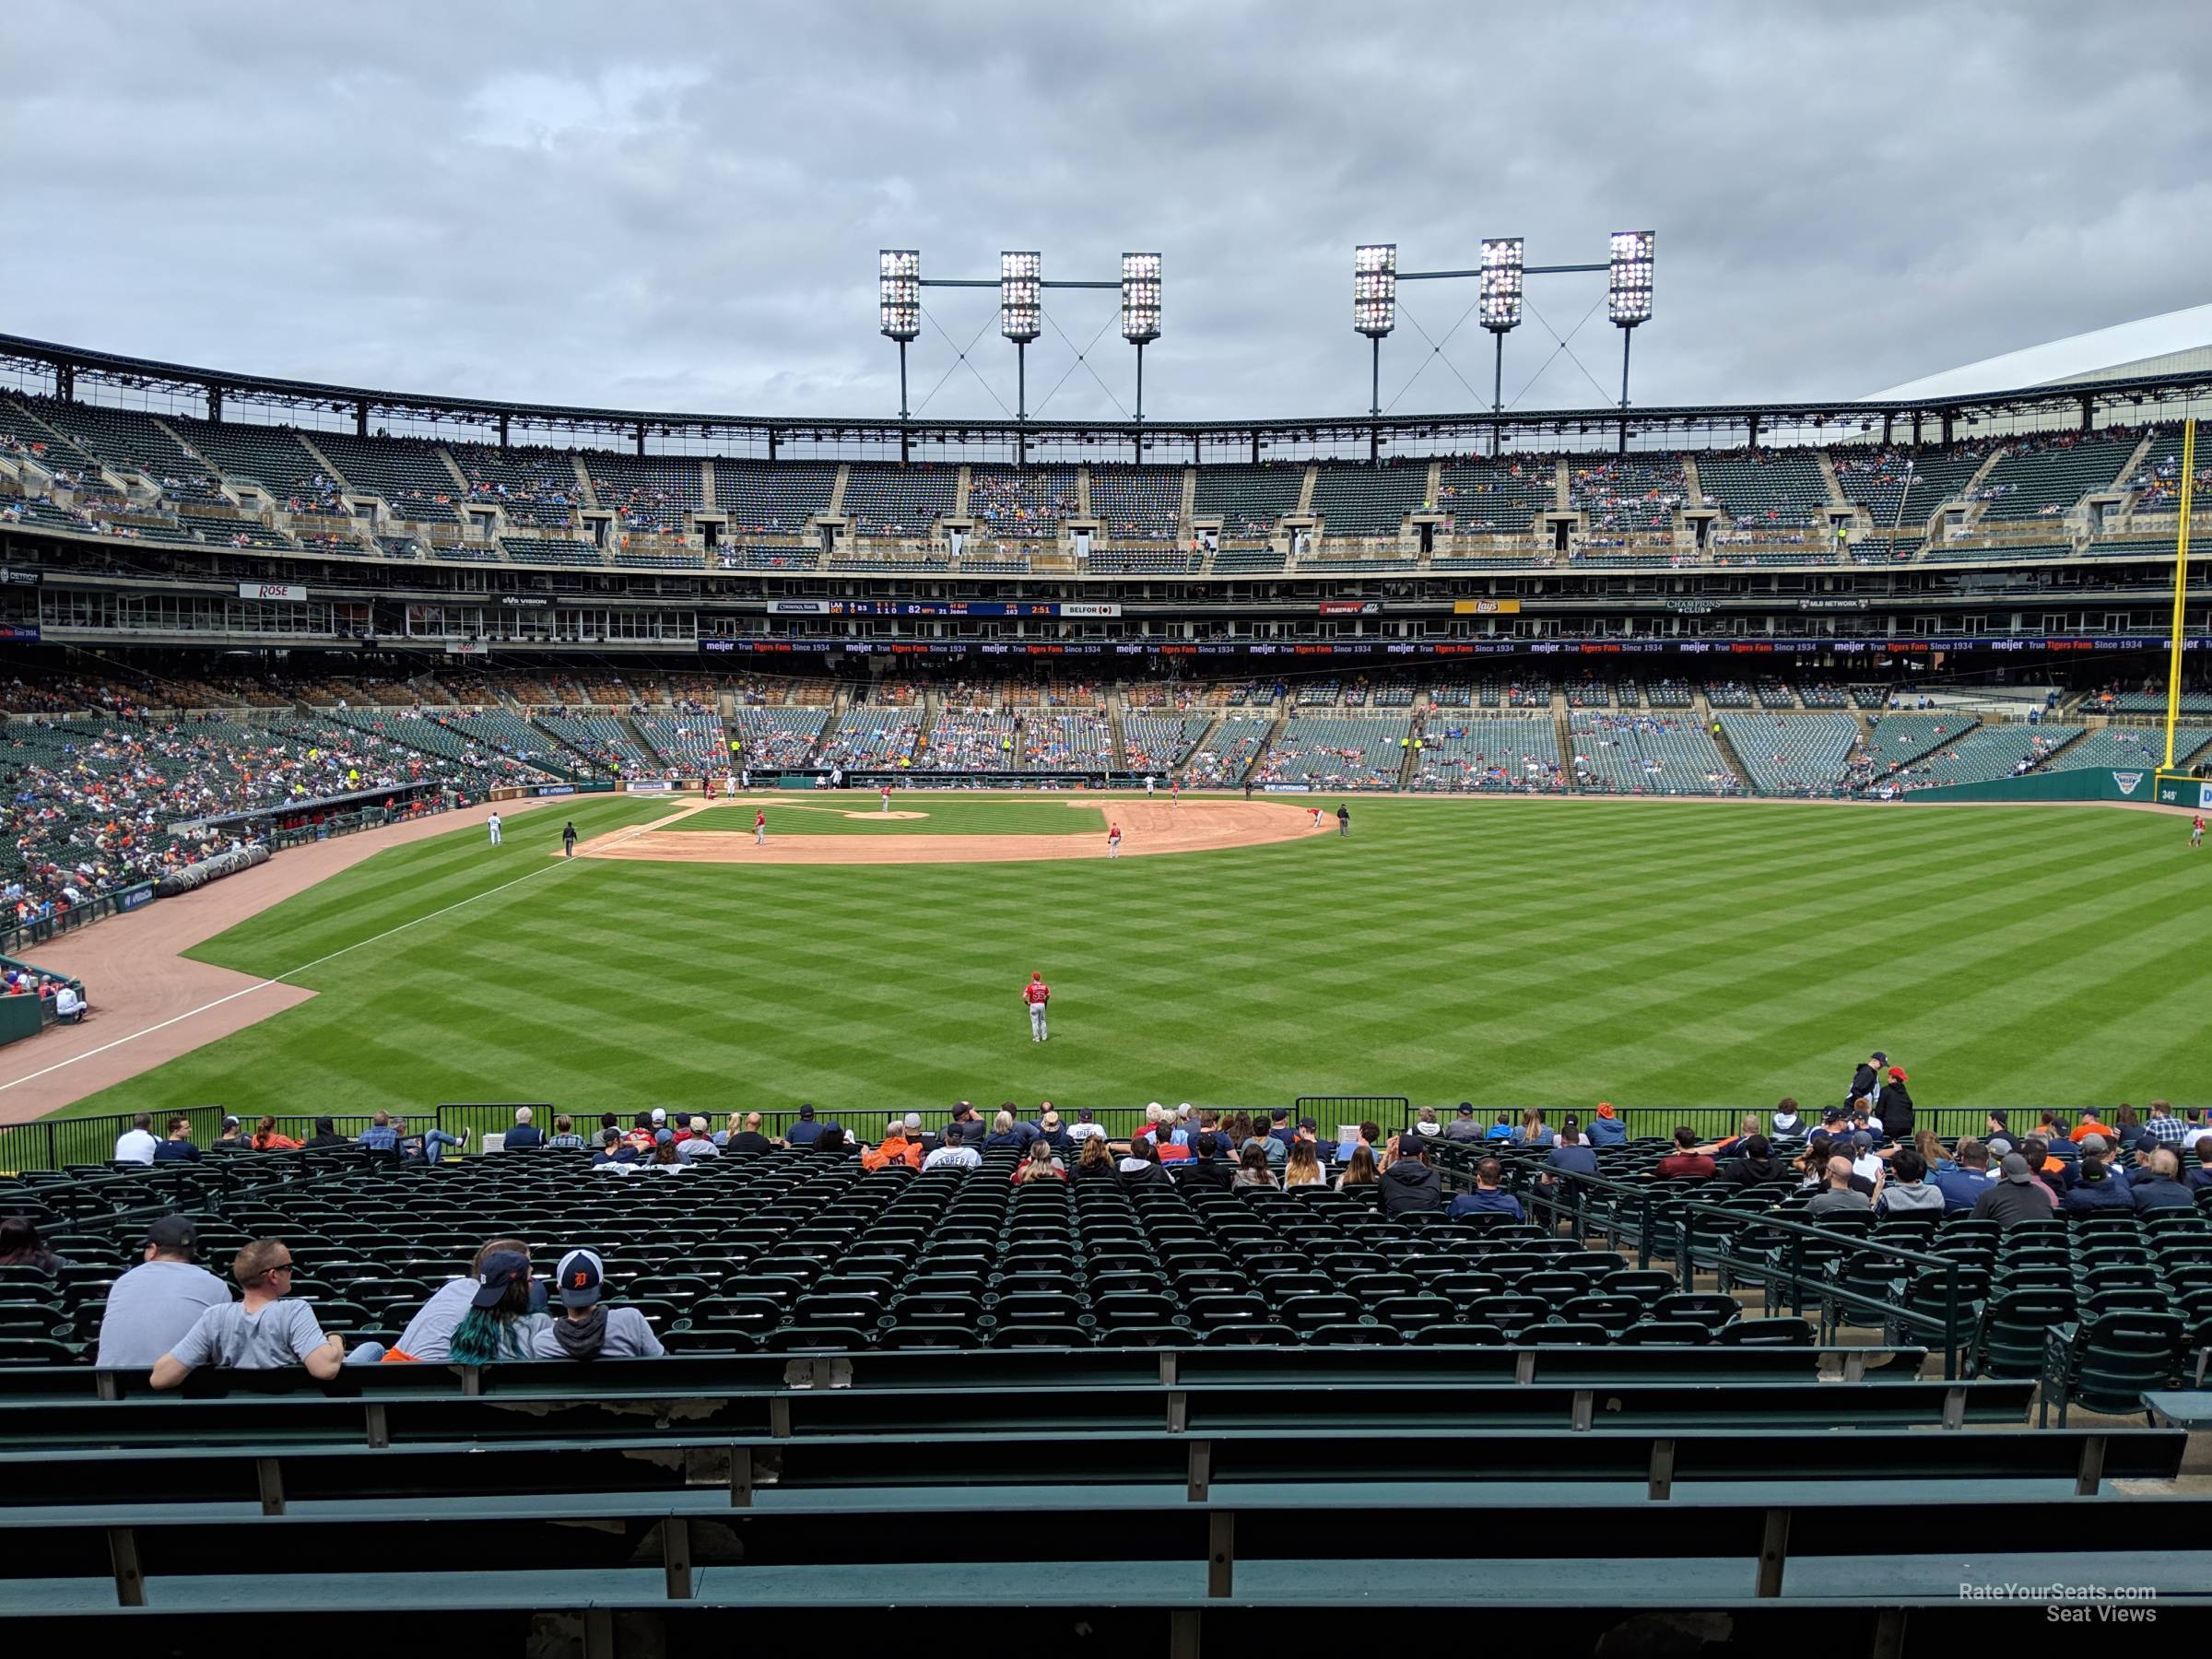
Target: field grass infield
{"type": "Point", "coordinates": [1501, 952]}
{"type": "Point", "coordinates": [861, 813]}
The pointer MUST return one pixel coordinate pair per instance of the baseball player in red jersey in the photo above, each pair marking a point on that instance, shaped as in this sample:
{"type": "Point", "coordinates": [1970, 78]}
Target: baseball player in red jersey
{"type": "Point", "coordinates": [1113, 840]}
{"type": "Point", "coordinates": [2196, 830]}
{"type": "Point", "coordinates": [760, 828]}
{"type": "Point", "coordinates": [1174, 794]}
{"type": "Point", "coordinates": [1036, 993]}
{"type": "Point", "coordinates": [887, 797]}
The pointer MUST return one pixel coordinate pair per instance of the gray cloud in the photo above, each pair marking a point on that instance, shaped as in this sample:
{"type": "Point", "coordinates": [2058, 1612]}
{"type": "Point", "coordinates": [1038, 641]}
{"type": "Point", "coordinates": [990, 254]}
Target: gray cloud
{"type": "Point", "coordinates": [680, 206]}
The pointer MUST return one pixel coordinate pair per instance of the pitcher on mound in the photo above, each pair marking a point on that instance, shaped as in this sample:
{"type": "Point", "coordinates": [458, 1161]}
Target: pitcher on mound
{"type": "Point", "coordinates": [1036, 993]}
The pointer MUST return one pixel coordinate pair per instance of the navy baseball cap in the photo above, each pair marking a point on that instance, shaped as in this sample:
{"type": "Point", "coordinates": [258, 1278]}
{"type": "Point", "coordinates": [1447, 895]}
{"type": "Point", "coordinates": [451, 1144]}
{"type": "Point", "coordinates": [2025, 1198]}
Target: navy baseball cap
{"type": "Point", "coordinates": [1281, 1114]}
{"type": "Point", "coordinates": [806, 1112]}
{"type": "Point", "coordinates": [579, 1279]}
{"type": "Point", "coordinates": [1083, 1114]}
{"type": "Point", "coordinates": [1466, 1109]}
{"type": "Point", "coordinates": [1834, 1115]}
{"type": "Point", "coordinates": [173, 1232]}
{"type": "Point", "coordinates": [502, 1272]}
{"type": "Point", "coordinates": [1862, 1139]}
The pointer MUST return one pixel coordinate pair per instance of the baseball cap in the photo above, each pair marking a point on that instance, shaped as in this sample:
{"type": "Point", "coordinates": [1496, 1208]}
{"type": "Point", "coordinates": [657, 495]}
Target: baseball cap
{"type": "Point", "coordinates": [1308, 1124]}
{"type": "Point", "coordinates": [173, 1232]}
{"type": "Point", "coordinates": [230, 1123]}
{"type": "Point", "coordinates": [1862, 1139]}
{"type": "Point", "coordinates": [1082, 1114]}
{"type": "Point", "coordinates": [912, 1119]}
{"type": "Point", "coordinates": [2016, 1170]}
{"type": "Point", "coordinates": [1834, 1115]}
{"type": "Point", "coordinates": [1281, 1114]}
{"type": "Point", "coordinates": [1466, 1109]}
{"type": "Point", "coordinates": [2095, 1142]}
{"type": "Point", "coordinates": [578, 1278]}
{"type": "Point", "coordinates": [664, 1137]}
{"type": "Point", "coordinates": [1999, 1145]}
{"type": "Point", "coordinates": [806, 1112]}
{"type": "Point", "coordinates": [1897, 1075]}
{"type": "Point", "coordinates": [1880, 1058]}
{"type": "Point", "coordinates": [660, 1116]}
{"type": "Point", "coordinates": [502, 1271]}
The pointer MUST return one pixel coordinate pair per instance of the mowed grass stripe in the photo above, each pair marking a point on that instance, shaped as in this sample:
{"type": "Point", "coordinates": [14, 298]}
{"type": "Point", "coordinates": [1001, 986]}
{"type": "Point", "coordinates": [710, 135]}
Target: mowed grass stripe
{"type": "Point", "coordinates": [1499, 952]}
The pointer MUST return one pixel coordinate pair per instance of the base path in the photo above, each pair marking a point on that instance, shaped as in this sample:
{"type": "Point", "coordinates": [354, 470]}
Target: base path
{"type": "Point", "coordinates": [150, 1002]}
{"type": "Point", "coordinates": [1147, 826]}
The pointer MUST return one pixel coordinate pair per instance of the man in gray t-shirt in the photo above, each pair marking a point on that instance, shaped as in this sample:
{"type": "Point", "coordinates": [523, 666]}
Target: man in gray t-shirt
{"type": "Point", "coordinates": [587, 1330]}
{"type": "Point", "coordinates": [151, 1307]}
{"type": "Point", "coordinates": [264, 1332]}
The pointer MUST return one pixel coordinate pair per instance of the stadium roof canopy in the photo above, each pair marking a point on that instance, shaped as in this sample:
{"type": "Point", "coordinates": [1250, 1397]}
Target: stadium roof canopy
{"type": "Point", "coordinates": [2176, 343]}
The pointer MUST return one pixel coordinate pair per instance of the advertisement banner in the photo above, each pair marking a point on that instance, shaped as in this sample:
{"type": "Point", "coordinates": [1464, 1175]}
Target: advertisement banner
{"type": "Point", "coordinates": [19, 633]}
{"type": "Point", "coordinates": [524, 601]}
{"type": "Point", "coordinates": [798, 608]}
{"type": "Point", "coordinates": [130, 898]}
{"type": "Point", "coordinates": [1486, 607]}
{"type": "Point", "coordinates": [648, 786]}
{"type": "Point", "coordinates": [272, 590]}
{"type": "Point", "coordinates": [467, 648]}
{"type": "Point", "coordinates": [1349, 608]}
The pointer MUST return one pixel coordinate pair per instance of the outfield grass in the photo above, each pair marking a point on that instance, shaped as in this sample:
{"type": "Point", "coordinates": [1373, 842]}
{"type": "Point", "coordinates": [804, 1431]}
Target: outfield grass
{"type": "Point", "coordinates": [862, 814]}
{"type": "Point", "coordinates": [1502, 952]}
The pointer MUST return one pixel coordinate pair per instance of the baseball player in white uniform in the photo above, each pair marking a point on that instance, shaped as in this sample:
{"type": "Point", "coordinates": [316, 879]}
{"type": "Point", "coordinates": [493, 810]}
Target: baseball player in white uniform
{"type": "Point", "coordinates": [492, 824]}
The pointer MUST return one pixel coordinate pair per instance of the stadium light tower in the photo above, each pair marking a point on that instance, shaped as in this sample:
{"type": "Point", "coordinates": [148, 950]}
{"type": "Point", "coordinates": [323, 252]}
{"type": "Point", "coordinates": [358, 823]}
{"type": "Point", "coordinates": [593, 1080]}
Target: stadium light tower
{"type": "Point", "coordinates": [1140, 312]}
{"type": "Point", "coordinates": [1629, 291]}
{"type": "Point", "coordinates": [1502, 267]}
{"type": "Point", "coordinates": [1020, 305]}
{"type": "Point", "coordinates": [1375, 304]}
{"type": "Point", "coordinates": [898, 304]}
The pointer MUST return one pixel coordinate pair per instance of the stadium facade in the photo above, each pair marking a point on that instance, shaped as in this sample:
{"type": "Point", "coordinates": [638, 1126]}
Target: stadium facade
{"type": "Point", "coordinates": [2026, 530]}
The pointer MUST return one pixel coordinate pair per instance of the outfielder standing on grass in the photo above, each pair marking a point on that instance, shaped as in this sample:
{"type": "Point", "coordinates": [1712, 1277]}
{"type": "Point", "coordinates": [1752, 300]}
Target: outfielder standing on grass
{"type": "Point", "coordinates": [1036, 993]}
{"type": "Point", "coordinates": [492, 824]}
{"type": "Point", "coordinates": [760, 828]}
{"type": "Point", "coordinates": [568, 840]}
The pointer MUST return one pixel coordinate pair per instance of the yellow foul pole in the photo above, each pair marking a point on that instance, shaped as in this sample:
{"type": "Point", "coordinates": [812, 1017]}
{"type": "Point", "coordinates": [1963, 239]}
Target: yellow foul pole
{"type": "Point", "coordinates": [2180, 585]}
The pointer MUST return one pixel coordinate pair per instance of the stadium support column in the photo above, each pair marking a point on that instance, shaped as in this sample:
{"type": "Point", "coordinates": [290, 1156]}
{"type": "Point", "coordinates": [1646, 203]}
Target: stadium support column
{"type": "Point", "coordinates": [64, 382]}
{"type": "Point", "coordinates": [502, 431]}
{"type": "Point", "coordinates": [1627, 335]}
{"type": "Point", "coordinates": [638, 436]}
{"type": "Point", "coordinates": [361, 417]}
{"type": "Point", "coordinates": [2181, 583]}
{"type": "Point", "coordinates": [1140, 383]}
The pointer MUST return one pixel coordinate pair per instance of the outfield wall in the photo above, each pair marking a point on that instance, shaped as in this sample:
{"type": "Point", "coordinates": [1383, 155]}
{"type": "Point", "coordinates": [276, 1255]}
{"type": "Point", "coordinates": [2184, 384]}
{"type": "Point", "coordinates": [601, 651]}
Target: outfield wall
{"type": "Point", "coordinates": [2092, 783]}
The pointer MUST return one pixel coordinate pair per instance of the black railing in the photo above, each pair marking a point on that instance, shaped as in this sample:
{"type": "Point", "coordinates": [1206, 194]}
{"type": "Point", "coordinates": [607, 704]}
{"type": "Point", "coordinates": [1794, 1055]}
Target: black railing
{"type": "Point", "coordinates": [1788, 1267]}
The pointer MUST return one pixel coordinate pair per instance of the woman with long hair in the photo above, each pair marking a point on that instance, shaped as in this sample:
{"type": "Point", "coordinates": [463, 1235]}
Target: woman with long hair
{"type": "Point", "coordinates": [1305, 1167]}
{"type": "Point", "coordinates": [1931, 1150]}
{"type": "Point", "coordinates": [1252, 1168]}
{"type": "Point", "coordinates": [267, 1139]}
{"type": "Point", "coordinates": [1532, 1132]}
{"type": "Point", "coordinates": [499, 1324]}
{"type": "Point", "coordinates": [1097, 1162]}
{"type": "Point", "coordinates": [1360, 1170]}
{"type": "Point", "coordinates": [1040, 1165]}
{"type": "Point", "coordinates": [21, 1246]}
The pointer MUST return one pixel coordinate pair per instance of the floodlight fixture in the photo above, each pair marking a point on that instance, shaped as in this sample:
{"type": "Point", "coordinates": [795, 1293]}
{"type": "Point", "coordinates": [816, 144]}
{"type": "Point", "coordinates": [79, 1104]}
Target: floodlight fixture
{"type": "Point", "coordinates": [1375, 288]}
{"type": "Point", "coordinates": [1629, 298]}
{"type": "Point", "coordinates": [1140, 312]}
{"type": "Point", "coordinates": [1502, 265]}
{"type": "Point", "coordinates": [1141, 297]}
{"type": "Point", "coordinates": [898, 293]}
{"type": "Point", "coordinates": [1628, 278]}
{"type": "Point", "coordinates": [1021, 296]}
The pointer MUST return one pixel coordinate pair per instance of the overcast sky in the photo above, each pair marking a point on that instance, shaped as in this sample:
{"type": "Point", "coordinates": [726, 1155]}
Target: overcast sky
{"type": "Point", "coordinates": [672, 206]}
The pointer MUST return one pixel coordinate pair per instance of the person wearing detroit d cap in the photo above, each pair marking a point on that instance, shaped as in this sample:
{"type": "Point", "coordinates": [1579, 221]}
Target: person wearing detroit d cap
{"type": "Point", "coordinates": [2015, 1196]}
{"type": "Point", "coordinates": [587, 1328]}
{"type": "Point", "coordinates": [150, 1308]}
